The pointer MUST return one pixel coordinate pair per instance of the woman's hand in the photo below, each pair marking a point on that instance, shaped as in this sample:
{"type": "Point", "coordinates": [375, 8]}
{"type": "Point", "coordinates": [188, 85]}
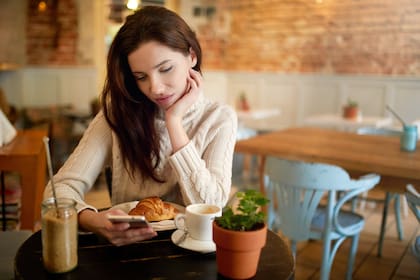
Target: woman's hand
{"type": "Point", "coordinates": [174, 114]}
{"type": "Point", "coordinates": [117, 233]}
{"type": "Point", "coordinates": [194, 88]}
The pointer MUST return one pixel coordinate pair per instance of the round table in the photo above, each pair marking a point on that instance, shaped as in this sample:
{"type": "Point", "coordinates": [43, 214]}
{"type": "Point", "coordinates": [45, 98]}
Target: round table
{"type": "Point", "coordinates": [157, 258]}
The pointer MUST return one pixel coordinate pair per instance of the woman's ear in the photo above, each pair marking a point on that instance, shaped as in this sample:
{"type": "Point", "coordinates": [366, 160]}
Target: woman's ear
{"type": "Point", "coordinates": [193, 57]}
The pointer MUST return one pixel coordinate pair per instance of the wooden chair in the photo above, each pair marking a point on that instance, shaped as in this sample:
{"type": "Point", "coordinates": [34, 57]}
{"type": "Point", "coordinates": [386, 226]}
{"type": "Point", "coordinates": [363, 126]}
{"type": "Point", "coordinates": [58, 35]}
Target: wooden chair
{"type": "Point", "coordinates": [296, 190]}
{"type": "Point", "coordinates": [413, 199]}
{"type": "Point", "coordinates": [389, 196]}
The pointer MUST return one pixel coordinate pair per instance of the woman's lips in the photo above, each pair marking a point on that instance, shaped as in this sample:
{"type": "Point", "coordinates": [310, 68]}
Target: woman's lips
{"type": "Point", "coordinates": [162, 101]}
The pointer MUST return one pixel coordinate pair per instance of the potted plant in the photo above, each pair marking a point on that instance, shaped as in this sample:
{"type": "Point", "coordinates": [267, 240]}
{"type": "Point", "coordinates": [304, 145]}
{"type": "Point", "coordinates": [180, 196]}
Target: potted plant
{"type": "Point", "coordinates": [243, 104]}
{"type": "Point", "coordinates": [351, 110]}
{"type": "Point", "coordinates": [239, 235]}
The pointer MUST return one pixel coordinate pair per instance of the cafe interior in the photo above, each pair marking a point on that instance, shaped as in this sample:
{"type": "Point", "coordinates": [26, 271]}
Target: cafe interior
{"type": "Point", "coordinates": [298, 71]}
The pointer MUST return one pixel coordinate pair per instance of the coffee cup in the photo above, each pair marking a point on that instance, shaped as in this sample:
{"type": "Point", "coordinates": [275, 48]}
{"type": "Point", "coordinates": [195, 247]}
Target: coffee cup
{"type": "Point", "coordinates": [197, 220]}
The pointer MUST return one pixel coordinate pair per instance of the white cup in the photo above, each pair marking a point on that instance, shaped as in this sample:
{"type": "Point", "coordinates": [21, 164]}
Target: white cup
{"type": "Point", "coordinates": [198, 220]}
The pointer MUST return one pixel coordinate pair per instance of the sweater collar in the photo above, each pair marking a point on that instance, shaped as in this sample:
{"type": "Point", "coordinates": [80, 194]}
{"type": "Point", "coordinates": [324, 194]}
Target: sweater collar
{"type": "Point", "coordinates": [191, 113]}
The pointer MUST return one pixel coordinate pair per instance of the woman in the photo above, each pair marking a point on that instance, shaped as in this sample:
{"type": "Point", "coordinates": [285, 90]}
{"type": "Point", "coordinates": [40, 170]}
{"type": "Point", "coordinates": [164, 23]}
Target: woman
{"type": "Point", "coordinates": [161, 136]}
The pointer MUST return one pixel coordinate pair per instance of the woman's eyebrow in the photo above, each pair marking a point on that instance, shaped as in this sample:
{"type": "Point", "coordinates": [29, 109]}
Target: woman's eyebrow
{"type": "Point", "coordinates": [160, 64]}
{"type": "Point", "coordinates": [154, 67]}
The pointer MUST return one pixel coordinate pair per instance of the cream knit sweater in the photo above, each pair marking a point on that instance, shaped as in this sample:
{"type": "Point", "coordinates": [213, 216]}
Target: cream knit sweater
{"type": "Point", "coordinates": [199, 172]}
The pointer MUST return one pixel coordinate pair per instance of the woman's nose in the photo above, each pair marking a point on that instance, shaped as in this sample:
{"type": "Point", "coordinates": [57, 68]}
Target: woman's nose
{"type": "Point", "coordinates": [156, 86]}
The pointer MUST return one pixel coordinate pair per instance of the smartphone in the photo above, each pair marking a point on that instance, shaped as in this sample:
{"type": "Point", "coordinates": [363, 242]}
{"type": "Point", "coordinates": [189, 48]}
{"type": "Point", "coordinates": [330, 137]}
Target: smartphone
{"type": "Point", "coordinates": [134, 221]}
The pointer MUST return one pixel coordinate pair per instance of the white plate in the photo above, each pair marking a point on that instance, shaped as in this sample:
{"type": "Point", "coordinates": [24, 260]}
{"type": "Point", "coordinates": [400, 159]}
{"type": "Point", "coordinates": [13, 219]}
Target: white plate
{"type": "Point", "coordinates": [157, 226]}
{"type": "Point", "coordinates": [193, 244]}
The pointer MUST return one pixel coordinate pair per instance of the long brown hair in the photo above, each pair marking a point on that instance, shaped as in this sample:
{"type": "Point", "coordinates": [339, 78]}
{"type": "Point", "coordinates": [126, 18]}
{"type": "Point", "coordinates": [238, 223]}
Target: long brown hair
{"type": "Point", "coordinates": [129, 113]}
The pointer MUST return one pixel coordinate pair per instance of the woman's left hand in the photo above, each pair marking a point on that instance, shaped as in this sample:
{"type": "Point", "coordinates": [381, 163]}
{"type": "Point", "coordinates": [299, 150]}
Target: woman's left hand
{"type": "Point", "coordinates": [117, 233]}
{"type": "Point", "coordinates": [180, 107]}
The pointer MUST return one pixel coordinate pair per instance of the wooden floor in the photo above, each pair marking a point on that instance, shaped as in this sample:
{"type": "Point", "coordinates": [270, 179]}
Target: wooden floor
{"type": "Point", "coordinates": [397, 261]}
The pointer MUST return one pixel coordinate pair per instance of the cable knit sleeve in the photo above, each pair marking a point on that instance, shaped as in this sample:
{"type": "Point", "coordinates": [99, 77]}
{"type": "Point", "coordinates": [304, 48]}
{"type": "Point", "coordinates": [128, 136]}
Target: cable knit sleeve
{"type": "Point", "coordinates": [79, 172]}
{"type": "Point", "coordinates": [204, 166]}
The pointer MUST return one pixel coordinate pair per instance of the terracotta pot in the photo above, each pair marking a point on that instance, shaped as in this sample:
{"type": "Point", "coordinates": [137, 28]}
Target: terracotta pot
{"type": "Point", "coordinates": [238, 252]}
{"type": "Point", "coordinates": [350, 112]}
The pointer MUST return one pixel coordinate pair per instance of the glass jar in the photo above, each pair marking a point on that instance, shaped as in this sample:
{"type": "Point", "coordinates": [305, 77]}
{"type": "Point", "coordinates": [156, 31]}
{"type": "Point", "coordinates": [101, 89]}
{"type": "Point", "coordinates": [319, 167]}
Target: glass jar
{"type": "Point", "coordinates": [408, 139]}
{"type": "Point", "coordinates": [59, 235]}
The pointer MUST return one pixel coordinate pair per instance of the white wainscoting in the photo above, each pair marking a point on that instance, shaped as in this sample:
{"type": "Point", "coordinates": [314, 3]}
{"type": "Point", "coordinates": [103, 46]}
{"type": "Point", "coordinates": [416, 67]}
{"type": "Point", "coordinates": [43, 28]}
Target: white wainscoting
{"type": "Point", "coordinates": [296, 96]}
{"type": "Point", "coordinates": [50, 86]}
{"type": "Point", "coordinates": [299, 96]}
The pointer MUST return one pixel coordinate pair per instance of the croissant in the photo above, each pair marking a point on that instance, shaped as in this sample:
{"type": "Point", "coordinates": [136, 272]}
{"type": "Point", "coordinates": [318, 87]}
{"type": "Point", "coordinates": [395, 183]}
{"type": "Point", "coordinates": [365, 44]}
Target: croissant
{"type": "Point", "coordinates": [154, 209]}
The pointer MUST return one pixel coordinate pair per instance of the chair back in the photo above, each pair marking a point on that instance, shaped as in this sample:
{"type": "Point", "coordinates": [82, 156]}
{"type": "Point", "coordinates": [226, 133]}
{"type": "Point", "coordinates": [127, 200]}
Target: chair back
{"type": "Point", "coordinates": [413, 200]}
{"type": "Point", "coordinates": [297, 189]}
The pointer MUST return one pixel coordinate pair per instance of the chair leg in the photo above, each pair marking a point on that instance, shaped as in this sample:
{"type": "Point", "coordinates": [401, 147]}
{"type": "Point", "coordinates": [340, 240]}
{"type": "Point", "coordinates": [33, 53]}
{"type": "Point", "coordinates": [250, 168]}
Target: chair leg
{"type": "Point", "coordinates": [363, 201]}
{"type": "Point", "coordinates": [404, 206]}
{"type": "Point", "coordinates": [293, 247]}
{"type": "Point", "coordinates": [326, 260]}
{"type": "Point", "coordinates": [383, 224]}
{"type": "Point", "coordinates": [397, 209]}
{"type": "Point", "coordinates": [354, 204]}
{"type": "Point", "coordinates": [352, 256]}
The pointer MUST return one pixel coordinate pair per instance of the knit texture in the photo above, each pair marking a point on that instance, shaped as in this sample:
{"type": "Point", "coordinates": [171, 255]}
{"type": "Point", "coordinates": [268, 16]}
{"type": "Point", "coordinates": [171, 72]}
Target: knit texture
{"type": "Point", "coordinates": [200, 172]}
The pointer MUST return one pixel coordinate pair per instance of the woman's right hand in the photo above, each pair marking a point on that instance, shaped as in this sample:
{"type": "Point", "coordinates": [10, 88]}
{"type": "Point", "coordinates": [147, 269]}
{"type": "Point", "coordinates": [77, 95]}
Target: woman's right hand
{"type": "Point", "coordinates": [117, 233]}
{"type": "Point", "coordinates": [193, 90]}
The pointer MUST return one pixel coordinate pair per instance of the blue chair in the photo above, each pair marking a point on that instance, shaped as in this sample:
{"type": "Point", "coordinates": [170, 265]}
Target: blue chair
{"type": "Point", "coordinates": [413, 200]}
{"type": "Point", "coordinates": [296, 190]}
{"type": "Point", "coordinates": [389, 196]}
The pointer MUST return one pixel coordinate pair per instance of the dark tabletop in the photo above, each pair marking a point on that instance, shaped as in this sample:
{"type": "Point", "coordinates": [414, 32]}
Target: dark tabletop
{"type": "Point", "coordinates": [157, 258]}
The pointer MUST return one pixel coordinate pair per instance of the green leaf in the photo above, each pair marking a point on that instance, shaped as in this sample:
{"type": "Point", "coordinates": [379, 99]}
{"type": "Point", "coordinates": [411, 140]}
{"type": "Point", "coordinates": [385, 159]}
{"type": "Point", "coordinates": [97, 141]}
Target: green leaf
{"type": "Point", "coordinates": [248, 213]}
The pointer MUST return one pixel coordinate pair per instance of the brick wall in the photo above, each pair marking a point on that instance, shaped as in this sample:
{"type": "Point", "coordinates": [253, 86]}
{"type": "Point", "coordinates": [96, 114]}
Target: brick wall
{"type": "Point", "coordinates": [303, 36]}
{"type": "Point", "coordinates": [12, 31]}
{"type": "Point", "coordinates": [51, 35]}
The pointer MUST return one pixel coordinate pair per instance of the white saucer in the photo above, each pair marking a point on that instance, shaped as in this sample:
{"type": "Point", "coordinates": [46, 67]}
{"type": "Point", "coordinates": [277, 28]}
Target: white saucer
{"type": "Point", "coordinates": [193, 244]}
{"type": "Point", "coordinates": [157, 226]}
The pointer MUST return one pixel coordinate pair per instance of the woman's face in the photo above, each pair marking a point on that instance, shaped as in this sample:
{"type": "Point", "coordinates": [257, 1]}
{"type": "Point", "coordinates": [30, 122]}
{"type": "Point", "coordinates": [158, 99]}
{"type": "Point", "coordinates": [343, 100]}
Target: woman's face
{"type": "Point", "coordinates": [161, 73]}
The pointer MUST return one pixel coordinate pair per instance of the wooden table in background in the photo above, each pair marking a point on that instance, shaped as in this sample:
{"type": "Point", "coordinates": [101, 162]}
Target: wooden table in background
{"type": "Point", "coordinates": [358, 154]}
{"type": "Point", "coordinates": [26, 156]}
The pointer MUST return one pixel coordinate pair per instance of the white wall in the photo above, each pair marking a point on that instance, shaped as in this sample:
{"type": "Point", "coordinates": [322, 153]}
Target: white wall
{"type": "Point", "coordinates": [215, 86]}
{"type": "Point", "coordinates": [299, 96]}
{"type": "Point", "coordinates": [46, 86]}
{"type": "Point", "coordinates": [296, 96]}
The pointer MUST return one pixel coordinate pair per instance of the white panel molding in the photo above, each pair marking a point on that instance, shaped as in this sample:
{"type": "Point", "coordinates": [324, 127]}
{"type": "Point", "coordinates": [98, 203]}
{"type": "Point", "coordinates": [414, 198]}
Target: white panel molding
{"type": "Point", "coordinates": [49, 86]}
{"type": "Point", "coordinates": [296, 95]}
{"type": "Point", "coordinates": [301, 93]}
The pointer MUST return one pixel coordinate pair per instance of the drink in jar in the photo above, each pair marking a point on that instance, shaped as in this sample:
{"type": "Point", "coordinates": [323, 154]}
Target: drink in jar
{"type": "Point", "coordinates": [59, 235]}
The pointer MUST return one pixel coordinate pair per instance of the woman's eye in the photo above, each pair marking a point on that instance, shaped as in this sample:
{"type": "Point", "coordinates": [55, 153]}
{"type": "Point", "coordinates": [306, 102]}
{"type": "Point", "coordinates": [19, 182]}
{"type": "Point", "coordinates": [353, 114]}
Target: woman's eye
{"type": "Point", "coordinates": [140, 78]}
{"type": "Point", "coordinates": [167, 69]}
